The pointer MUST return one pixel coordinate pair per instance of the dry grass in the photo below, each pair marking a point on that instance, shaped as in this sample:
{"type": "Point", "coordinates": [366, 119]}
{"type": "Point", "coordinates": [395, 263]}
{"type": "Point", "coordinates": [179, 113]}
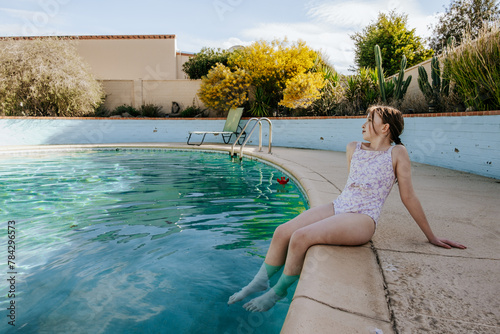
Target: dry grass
{"type": "Point", "coordinates": [473, 67]}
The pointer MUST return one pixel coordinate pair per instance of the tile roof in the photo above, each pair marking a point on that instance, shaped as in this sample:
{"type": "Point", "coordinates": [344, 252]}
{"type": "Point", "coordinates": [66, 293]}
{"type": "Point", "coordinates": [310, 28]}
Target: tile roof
{"type": "Point", "coordinates": [96, 37]}
{"type": "Point", "coordinates": [127, 37]}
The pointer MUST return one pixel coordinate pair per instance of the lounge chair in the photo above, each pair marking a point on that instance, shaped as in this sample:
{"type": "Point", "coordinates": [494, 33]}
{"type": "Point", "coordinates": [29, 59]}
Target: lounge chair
{"type": "Point", "coordinates": [231, 128]}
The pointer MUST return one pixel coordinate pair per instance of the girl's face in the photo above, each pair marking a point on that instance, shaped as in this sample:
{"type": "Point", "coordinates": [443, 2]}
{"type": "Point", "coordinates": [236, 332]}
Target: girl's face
{"type": "Point", "coordinates": [373, 126]}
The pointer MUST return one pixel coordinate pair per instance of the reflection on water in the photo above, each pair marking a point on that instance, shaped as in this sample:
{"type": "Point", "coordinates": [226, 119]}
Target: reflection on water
{"type": "Point", "coordinates": [122, 241]}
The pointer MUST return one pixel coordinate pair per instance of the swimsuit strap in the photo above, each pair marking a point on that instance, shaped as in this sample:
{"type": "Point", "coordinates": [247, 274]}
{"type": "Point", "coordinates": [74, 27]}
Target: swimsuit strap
{"type": "Point", "coordinates": [358, 147]}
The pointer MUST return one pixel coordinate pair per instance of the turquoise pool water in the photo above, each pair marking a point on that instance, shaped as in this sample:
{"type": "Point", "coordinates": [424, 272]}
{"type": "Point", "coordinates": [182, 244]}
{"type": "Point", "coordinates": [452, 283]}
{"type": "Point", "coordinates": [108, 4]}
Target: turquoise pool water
{"type": "Point", "coordinates": [138, 241]}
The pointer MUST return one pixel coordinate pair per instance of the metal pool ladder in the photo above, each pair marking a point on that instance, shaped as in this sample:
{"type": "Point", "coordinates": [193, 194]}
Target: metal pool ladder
{"type": "Point", "coordinates": [259, 122]}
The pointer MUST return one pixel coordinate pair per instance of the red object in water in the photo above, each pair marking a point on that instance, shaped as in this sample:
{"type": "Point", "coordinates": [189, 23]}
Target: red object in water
{"type": "Point", "coordinates": [283, 181]}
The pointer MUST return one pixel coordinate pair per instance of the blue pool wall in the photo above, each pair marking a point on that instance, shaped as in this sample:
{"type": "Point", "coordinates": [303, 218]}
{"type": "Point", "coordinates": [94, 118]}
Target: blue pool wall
{"type": "Point", "coordinates": [466, 143]}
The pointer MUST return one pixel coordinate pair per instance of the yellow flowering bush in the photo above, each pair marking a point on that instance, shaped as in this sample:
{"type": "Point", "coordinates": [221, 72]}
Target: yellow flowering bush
{"type": "Point", "coordinates": [302, 90]}
{"type": "Point", "coordinates": [222, 89]}
{"type": "Point", "coordinates": [275, 62]}
{"type": "Point", "coordinates": [274, 65]}
{"type": "Point", "coordinates": [276, 72]}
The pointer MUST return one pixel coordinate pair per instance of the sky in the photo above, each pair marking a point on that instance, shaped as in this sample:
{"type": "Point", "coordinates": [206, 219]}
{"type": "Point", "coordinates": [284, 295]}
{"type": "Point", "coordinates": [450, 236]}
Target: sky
{"type": "Point", "coordinates": [325, 26]}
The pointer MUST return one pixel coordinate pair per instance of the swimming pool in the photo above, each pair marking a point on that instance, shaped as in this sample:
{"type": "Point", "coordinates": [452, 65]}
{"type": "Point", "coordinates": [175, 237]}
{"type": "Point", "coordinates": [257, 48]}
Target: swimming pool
{"type": "Point", "coordinates": [134, 240]}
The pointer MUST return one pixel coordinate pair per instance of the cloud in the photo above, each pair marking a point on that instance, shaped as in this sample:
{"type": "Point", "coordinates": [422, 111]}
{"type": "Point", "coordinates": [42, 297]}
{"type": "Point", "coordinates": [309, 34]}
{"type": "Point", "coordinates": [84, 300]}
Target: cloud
{"type": "Point", "coordinates": [358, 14]}
{"type": "Point", "coordinates": [31, 22]}
{"type": "Point", "coordinates": [293, 31]}
{"type": "Point", "coordinates": [346, 15]}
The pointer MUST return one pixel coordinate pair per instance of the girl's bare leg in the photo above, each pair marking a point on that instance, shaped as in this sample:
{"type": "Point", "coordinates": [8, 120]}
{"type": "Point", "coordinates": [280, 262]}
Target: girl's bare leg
{"type": "Point", "coordinates": [278, 249]}
{"type": "Point", "coordinates": [276, 254]}
{"type": "Point", "coordinates": [350, 229]}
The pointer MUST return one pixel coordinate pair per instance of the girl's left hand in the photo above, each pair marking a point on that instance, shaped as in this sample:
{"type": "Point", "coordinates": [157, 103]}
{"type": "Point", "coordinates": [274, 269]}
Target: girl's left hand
{"type": "Point", "coordinates": [446, 243]}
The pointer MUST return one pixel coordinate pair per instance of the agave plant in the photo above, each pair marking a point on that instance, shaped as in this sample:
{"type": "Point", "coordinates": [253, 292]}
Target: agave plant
{"type": "Point", "coordinates": [440, 87]}
{"type": "Point", "coordinates": [260, 105]}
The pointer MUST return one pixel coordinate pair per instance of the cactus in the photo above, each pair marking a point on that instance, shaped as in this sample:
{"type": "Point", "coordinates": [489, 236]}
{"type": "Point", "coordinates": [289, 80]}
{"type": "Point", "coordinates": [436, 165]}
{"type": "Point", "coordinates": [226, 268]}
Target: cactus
{"type": "Point", "coordinates": [398, 87]}
{"type": "Point", "coordinates": [423, 82]}
{"type": "Point", "coordinates": [398, 81]}
{"type": "Point", "coordinates": [381, 80]}
{"type": "Point", "coordinates": [440, 87]}
{"type": "Point", "coordinates": [435, 74]}
{"type": "Point", "coordinates": [400, 84]}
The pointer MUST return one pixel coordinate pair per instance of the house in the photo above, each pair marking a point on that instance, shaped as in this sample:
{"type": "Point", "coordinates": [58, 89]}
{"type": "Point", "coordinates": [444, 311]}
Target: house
{"type": "Point", "coordinates": [138, 69]}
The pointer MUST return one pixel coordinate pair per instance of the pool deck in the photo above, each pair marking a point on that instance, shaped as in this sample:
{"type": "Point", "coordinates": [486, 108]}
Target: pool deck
{"type": "Point", "coordinates": [397, 283]}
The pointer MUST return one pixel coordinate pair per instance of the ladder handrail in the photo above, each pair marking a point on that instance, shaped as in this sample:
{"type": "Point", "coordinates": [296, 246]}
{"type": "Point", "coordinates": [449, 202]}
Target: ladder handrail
{"type": "Point", "coordinates": [243, 131]}
{"type": "Point", "coordinates": [270, 133]}
{"type": "Point", "coordinates": [257, 121]}
{"type": "Point", "coordinates": [248, 137]}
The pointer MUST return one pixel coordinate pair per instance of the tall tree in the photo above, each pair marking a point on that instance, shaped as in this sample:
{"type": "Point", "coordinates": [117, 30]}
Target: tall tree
{"type": "Point", "coordinates": [395, 39]}
{"type": "Point", "coordinates": [463, 16]}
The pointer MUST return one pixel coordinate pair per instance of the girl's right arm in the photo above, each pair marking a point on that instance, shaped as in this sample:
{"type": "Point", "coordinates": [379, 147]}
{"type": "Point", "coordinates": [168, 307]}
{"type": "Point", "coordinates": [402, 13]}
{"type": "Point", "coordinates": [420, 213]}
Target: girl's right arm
{"type": "Point", "coordinates": [411, 201]}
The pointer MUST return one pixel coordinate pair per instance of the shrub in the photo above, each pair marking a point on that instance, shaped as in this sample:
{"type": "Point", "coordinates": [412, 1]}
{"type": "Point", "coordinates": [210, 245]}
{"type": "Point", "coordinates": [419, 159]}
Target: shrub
{"type": "Point", "coordinates": [361, 90]}
{"type": "Point", "coordinates": [411, 104]}
{"type": "Point", "coordinates": [199, 66]}
{"type": "Point", "coordinates": [193, 111]}
{"type": "Point", "coordinates": [302, 90]}
{"type": "Point", "coordinates": [46, 77]}
{"type": "Point", "coordinates": [146, 110]}
{"type": "Point", "coordinates": [101, 111]}
{"type": "Point", "coordinates": [331, 94]}
{"type": "Point", "coordinates": [272, 66]}
{"type": "Point", "coordinates": [120, 110]}
{"type": "Point", "coordinates": [474, 70]}
{"type": "Point", "coordinates": [223, 89]}
{"type": "Point", "coordinates": [151, 110]}
{"type": "Point", "coordinates": [330, 99]}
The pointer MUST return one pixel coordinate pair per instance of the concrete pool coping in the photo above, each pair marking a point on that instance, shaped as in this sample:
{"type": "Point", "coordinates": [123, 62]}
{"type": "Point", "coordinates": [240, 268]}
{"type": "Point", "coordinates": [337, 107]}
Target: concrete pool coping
{"type": "Point", "coordinates": [398, 283]}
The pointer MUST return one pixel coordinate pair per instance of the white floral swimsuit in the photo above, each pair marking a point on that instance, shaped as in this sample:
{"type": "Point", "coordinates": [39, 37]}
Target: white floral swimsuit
{"type": "Point", "coordinates": [370, 181]}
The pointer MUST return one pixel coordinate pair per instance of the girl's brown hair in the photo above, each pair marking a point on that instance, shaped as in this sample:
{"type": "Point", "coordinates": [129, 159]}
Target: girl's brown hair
{"type": "Point", "coordinates": [390, 116]}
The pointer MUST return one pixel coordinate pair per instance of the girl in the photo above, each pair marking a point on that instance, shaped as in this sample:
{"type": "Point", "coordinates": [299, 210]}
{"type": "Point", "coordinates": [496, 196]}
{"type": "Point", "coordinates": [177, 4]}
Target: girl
{"type": "Point", "coordinates": [352, 218]}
